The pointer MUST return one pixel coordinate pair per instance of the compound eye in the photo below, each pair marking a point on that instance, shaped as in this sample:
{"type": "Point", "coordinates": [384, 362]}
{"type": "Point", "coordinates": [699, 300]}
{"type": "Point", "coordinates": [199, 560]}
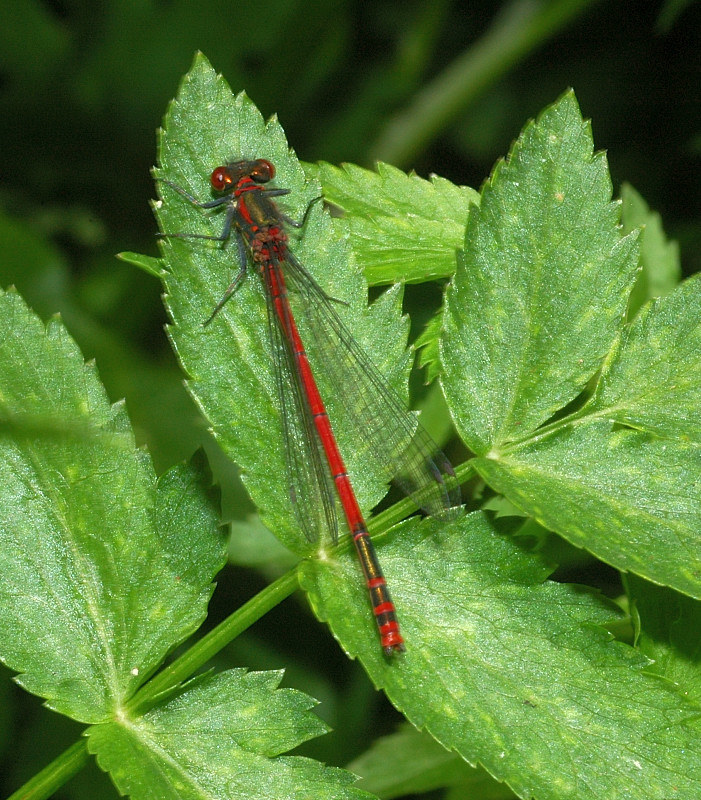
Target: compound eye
{"type": "Point", "coordinates": [220, 179]}
{"type": "Point", "coordinates": [263, 171]}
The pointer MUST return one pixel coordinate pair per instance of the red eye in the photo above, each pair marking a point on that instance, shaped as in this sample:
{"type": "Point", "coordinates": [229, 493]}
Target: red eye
{"type": "Point", "coordinates": [220, 179]}
{"type": "Point", "coordinates": [263, 171]}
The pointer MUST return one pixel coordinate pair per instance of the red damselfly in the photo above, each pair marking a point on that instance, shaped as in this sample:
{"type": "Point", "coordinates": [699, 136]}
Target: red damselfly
{"type": "Point", "coordinates": [390, 434]}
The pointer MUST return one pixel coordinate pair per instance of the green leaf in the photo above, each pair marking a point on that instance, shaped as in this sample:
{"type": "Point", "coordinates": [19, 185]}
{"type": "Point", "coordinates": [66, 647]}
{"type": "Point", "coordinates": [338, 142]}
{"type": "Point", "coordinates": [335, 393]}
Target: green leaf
{"type": "Point", "coordinates": [103, 570]}
{"type": "Point", "coordinates": [659, 258]}
{"type": "Point", "coordinates": [420, 764]}
{"type": "Point", "coordinates": [652, 379]}
{"type": "Point", "coordinates": [230, 362]}
{"type": "Point", "coordinates": [535, 312]}
{"type": "Point", "coordinates": [514, 672]}
{"type": "Point", "coordinates": [668, 633]}
{"type": "Point", "coordinates": [221, 738]}
{"type": "Point", "coordinates": [251, 544]}
{"type": "Point", "coordinates": [542, 288]}
{"type": "Point", "coordinates": [149, 264]}
{"type": "Point", "coordinates": [428, 347]}
{"type": "Point", "coordinates": [402, 228]}
{"type": "Point", "coordinates": [628, 497]}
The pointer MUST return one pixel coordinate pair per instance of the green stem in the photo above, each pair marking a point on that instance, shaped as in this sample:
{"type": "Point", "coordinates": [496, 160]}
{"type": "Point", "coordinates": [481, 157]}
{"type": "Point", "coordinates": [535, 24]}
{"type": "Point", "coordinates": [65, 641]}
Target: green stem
{"type": "Point", "coordinates": [406, 506]}
{"type": "Point", "coordinates": [519, 29]}
{"type": "Point", "coordinates": [211, 644]}
{"type": "Point", "coordinates": [54, 775]}
{"type": "Point", "coordinates": [45, 783]}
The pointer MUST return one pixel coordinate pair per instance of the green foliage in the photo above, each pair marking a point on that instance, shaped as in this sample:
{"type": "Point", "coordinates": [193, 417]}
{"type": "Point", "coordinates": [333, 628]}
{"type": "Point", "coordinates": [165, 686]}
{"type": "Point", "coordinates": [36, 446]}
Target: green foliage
{"type": "Point", "coordinates": [658, 256]}
{"type": "Point", "coordinates": [108, 566]}
{"type": "Point", "coordinates": [583, 421]}
{"type": "Point", "coordinates": [402, 228]}
{"type": "Point", "coordinates": [514, 672]}
{"type": "Point", "coordinates": [103, 571]}
{"type": "Point", "coordinates": [542, 285]}
{"type": "Point", "coordinates": [220, 737]}
{"type": "Point", "coordinates": [419, 765]}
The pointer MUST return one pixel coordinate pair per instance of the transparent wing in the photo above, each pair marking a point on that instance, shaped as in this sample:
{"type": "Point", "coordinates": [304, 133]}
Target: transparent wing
{"type": "Point", "coordinates": [393, 440]}
{"type": "Point", "coordinates": [311, 490]}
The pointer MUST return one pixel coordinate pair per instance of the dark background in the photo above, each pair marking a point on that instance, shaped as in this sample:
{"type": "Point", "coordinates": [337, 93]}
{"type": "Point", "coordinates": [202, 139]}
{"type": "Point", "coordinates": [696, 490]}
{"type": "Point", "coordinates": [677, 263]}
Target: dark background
{"type": "Point", "coordinates": [83, 88]}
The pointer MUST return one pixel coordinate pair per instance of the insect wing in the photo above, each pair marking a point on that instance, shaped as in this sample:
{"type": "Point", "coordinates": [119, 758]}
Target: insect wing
{"type": "Point", "coordinates": [311, 491]}
{"type": "Point", "coordinates": [392, 438]}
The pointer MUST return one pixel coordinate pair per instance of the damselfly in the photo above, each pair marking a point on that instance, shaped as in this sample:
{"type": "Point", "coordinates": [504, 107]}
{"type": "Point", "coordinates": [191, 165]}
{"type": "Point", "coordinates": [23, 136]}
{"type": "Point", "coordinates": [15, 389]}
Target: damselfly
{"type": "Point", "coordinates": [390, 434]}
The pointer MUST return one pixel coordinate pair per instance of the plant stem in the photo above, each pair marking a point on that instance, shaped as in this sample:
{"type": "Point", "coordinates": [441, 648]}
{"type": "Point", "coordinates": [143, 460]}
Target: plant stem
{"type": "Point", "coordinates": [519, 29]}
{"type": "Point", "coordinates": [54, 775]}
{"type": "Point", "coordinates": [211, 644]}
{"type": "Point", "coordinates": [45, 783]}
